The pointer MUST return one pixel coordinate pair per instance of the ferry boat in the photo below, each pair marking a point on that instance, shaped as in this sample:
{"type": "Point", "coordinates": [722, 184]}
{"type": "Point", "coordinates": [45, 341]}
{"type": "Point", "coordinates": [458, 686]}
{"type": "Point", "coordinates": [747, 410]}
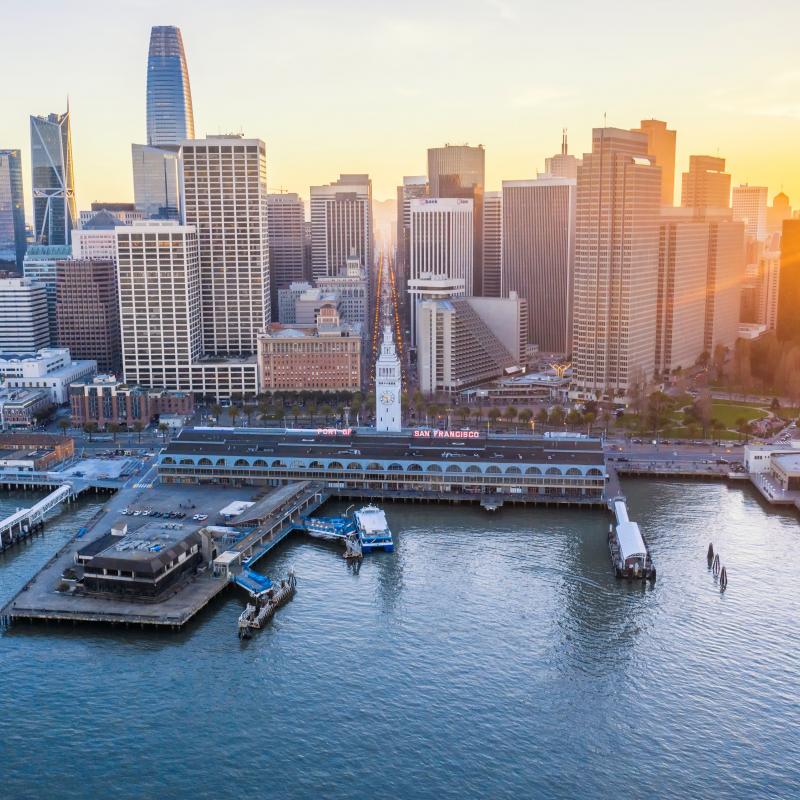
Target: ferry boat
{"type": "Point", "coordinates": [629, 553]}
{"type": "Point", "coordinates": [329, 527]}
{"type": "Point", "coordinates": [373, 530]}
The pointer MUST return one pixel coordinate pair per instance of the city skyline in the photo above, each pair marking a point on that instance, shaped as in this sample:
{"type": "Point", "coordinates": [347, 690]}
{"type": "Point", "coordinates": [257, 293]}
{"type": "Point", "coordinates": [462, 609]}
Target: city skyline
{"type": "Point", "coordinates": [514, 100]}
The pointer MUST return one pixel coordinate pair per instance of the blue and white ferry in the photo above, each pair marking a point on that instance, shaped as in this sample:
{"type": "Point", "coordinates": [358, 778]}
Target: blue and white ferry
{"type": "Point", "coordinates": [373, 530]}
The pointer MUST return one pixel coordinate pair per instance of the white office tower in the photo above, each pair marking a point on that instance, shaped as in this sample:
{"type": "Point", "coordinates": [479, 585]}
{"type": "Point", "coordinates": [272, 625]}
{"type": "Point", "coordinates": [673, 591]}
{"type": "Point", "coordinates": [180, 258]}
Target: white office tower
{"type": "Point", "coordinates": [750, 206]}
{"type": "Point", "coordinates": [159, 289]}
{"type": "Point", "coordinates": [341, 225]}
{"type": "Point", "coordinates": [23, 316]}
{"type": "Point", "coordinates": [440, 244]}
{"type": "Point", "coordinates": [562, 165]}
{"type": "Point", "coordinates": [616, 265]}
{"type": "Point", "coordinates": [224, 196]}
{"type": "Point", "coordinates": [539, 255]}
{"type": "Point", "coordinates": [285, 223]}
{"type": "Point", "coordinates": [492, 244]}
{"type": "Point", "coordinates": [414, 186]}
{"type": "Point", "coordinates": [388, 386]}
{"type": "Point", "coordinates": [156, 181]}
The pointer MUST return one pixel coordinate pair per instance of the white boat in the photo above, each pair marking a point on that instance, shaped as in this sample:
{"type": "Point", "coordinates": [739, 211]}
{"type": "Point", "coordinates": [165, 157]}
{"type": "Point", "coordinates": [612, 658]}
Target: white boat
{"type": "Point", "coordinates": [373, 530]}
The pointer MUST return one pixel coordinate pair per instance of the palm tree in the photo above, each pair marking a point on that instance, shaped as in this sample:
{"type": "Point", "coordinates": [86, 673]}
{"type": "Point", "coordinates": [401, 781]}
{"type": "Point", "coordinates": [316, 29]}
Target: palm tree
{"type": "Point", "coordinates": [511, 413]}
{"type": "Point", "coordinates": [295, 412]}
{"type": "Point", "coordinates": [525, 416]}
{"type": "Point", "coordinates": [462, 412]}
{"type": "Point", "coordinates": [216, 410]}
{"type": "Point", "coordinates": [138, 427]}
{"type": "Point", "coordinates": [556, 417]}
{"type": "Point", "coordinates": [234, 412]}
{"type": "Point", "coordinates": [574, 418]}
{"type": "Point", "coordinates": [248, 410]}
{"type": "Point", "coordinates": [494, 415]}
{"type": "Point", "coordinates": [477, 413]}
{"type": "Point", "coordinates": [163, 429]}
{"type": "Point", "coordinates": [63, 425]}
{"type": "Point", "coordinates": [541, 416]}
{"type": "Point", "coordinates": [311, 410]}
{"type": "Point", "coordinates": [115, 428]}
{"type": "Point", "coordinates": [326, 411]}
{"type": "Point", "coordinates": [90, 428]}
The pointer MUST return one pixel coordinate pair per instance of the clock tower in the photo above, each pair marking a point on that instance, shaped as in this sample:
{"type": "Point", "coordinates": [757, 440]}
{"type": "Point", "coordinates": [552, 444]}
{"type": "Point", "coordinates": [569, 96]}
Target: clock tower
{"type": "Point", "coordinates": [388, 384]}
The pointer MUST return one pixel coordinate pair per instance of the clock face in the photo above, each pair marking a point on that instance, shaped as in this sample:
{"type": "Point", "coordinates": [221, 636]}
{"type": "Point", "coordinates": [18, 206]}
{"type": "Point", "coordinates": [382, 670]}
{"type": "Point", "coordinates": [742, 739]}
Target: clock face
{"type": "Point", "coordinates": [387, 398]}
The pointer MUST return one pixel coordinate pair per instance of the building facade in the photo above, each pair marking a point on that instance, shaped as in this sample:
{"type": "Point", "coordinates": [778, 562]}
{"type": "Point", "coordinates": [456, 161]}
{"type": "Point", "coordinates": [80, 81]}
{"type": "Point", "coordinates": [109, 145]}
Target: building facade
{"type": "Point", "coordinates": [616, 264]}
{"type": "Point", "coordinates": [341, 225]}
{"type": "Point", "coordinates": [12, 211]}
{"type": "Point", "coordinates": [156, 181]}
{"type": "Point", "coordinates": [170, 116]}
{"type": "Point", "coordinates": [788, 321]}
{"type": "Point", "coordinates": [749, 205]}
{"type": "Point", "coordinates": [413, 188]}
{"type": "Point", "coordinates": [285, 221]}
{"type": "Point", "coordinates": [388, 386]}
{"type": "Point", "coordinates": [51, 369]}
{"type": "Point", "coordinates": [224, 182]}
{"type": "Point", "coordinates": [706, 185]}
{"type": "Point", "coordinates": [23, 315]}
{"type": "Point", "coordinates": [539, 255]}
{"type": "Point", "coordinates": [562, 165]}
{"type": "Point", "coordinates": [492, 244]}
{"type": "Point", "coordinates": [352, 292]}
{"type": "Point", "coordinates": [87, 311]}
{"type": "Point", "coordinates": [55, 210]}
{"type": "Point", "coordinates": [23, 408]}
{"type": "Point", "coordinates": [724, 282]}
{"type": "Point", "coordinates": [661, 145]}
{"type": "Point", "coordinates": [39, 265]}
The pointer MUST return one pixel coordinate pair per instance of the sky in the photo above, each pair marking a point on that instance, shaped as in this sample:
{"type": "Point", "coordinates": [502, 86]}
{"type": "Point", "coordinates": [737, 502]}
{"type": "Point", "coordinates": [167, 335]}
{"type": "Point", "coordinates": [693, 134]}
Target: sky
{"type": "Point", "coordinates": [350, 86]}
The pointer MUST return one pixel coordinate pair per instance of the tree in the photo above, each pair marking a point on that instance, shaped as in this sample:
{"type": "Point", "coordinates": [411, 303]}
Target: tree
{"type": "Point", "coordinates": [637, 390]}
{"type": "Point", "coordinates": [234, 412]}
{"type": "Point", "coordinates": [294, 411]}
{"type": "Point", "coordinates": [511, 413]}
{"type": "Point", "coordinates": [138, 427]}
{"type": "Point", "coordinates": [477, 413]}
{"type": "Point", "coordinates": [462, 412]}
{"type": "Point", "coordinates": [326, 411]}
{"type": "Point", "coordinates": [90, 428]}
{"type": "Point", "coordinates": [63, 425]}
{"type": "Point", "coordinates": [556, 416]}
{"type": "Point", "coordinates": [115, 428]}
{"type": "Point", "coordinates": [163, 429]}
{"type": "Point", "coordinates": [525, 416]}
{"type": "Point", "coordinates": [743, 427]}
{"type": "Point", "coordinates": [216, 410]}
{"type": "Point", "coordinates": [716, 427]}
{"type": "Point", "coordinates": [574, 418]}
{"type": "Point", "coordinates": [588, 419]}
{"type": "Point", "coordinates": [494, 415]}
{"type": "Point", "coordinates": [541, 416]}
{"type": "Point", "coordinates": [311, 409]}
{"type": "Point", "coordinates": [248, 410]}
{"type": "Point", "coordinates": [658, 406]}
{"type": "Point", "coordinates": [719, 359]}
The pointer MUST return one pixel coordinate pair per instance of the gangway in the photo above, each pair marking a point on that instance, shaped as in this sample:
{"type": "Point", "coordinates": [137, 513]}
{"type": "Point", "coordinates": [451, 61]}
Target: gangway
{"type": "Point", "coordinates": [23, 522]}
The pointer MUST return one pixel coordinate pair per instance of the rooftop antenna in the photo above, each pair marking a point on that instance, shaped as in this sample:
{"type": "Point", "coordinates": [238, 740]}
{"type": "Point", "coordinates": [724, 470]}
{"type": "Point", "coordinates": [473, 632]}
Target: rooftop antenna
{"type": "Point", "coordinates": [605, 119]}
{"type": "Point", "coordinates": [564, 141]}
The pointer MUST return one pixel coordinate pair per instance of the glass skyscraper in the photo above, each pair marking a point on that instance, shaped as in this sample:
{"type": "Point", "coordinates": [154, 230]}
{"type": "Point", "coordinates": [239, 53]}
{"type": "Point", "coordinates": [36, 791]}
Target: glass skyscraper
{"type": "Point", "coordinates": [12, 211]}
{"type": "Point", "coordinates": [170, 118]}
{"type": "Point", "coordinates": [54, 209]}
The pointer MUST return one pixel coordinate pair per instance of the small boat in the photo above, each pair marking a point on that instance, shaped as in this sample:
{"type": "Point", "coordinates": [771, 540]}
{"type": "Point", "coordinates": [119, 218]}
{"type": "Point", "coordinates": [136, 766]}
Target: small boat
{"type": "Point", "coordinates": [329, 527]}
{"type": "Point", "coordinates": [629, 553]}
{"type": "Point", "coordinates": [373, 530]}
{"type": "Point", "coordinates": [258, 613]}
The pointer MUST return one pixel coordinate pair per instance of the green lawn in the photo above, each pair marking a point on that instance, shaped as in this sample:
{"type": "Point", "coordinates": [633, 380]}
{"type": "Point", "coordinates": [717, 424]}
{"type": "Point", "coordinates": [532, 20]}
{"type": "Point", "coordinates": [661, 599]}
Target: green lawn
{"type": "Point", "coordinates": [729, 413]}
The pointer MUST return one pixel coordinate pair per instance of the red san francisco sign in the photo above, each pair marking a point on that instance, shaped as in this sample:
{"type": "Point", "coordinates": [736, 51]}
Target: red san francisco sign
{"type": "Point", "coordinates": [446, 435]}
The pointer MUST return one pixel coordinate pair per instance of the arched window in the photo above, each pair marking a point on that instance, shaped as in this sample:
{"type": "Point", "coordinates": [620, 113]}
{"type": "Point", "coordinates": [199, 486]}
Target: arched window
{"type": "Point", "coordinates": [413, 468]}
{"type": "Point", "coordinates": [171, 460]}
{"type": "Point", "coordinates": [354, 465]}
{"type": "Point", "coordinates": [533, 471]}
{"type": "Point", "coordinates": [241, 462]}
{"type": "Point", "coordinates": [220, 462]}
{"type": "Point", "coordinates": [553, 471]}
{"type": "Point", "coordinates": [513, 471]}
{"type": "Point", "coordinates": [315, 465]}
{"type": "Point", "coordinates": [473, 468]}
{"type": "Point", "coordinates": [335, 465]}
{"type": "Point", "coordinates": [203, 462]}
{"type": "Point", "coordinates": [395, 468]}
{"type": "Point", "coordinates": [595, 472]}
{"type": "Point", "coordinates": [493, 470]}
{"type": "Point", "coordinates": [573, 471]}
{"type": "Point", "coordinates": [454, 468]}
{"type": "Point", "coordinates": [373, 467]}
{"type": "Point", "coordinates": [259, 462]}
{"type": "Point", "coordinates": [434, 468]}
{"type": "Point", "coordinates": [277, 463]}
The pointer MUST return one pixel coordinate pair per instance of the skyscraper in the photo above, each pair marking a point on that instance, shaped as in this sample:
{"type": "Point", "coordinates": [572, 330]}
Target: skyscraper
{"type": "Point", "coordinates": [54, 208]}
{"type": "Point", "coordinates": [562, 165]}
{"type": "Point", "coordinates": [225, 200]}
{"type": "Point", "coordinates": [616, 264]}
{"type": "Point", "coordinates": [459, 171]}
{"type": "Point", "coordinates": [789, 282]}
{"type": "Point", "coordinates": [492, 244]}
{"type": "Point", "coordinates": [780, 210]}
{"type": "Point", "coordinates": [40, 266]}
{"type": "Point", "coordinates": [539, 254]}
{"type": "Point", "coordinates": [23, 316]}
{"type": "Point", "coordinates": [706, 185]}
{"type": "Point", "coordinates": [661, 145]}
{"type": "Point", "coordinates": [341, 225]}
{"type": "Point", "coordinates": [170, 118]}
{"type": "Point", "coordinates": [285, 219]}
{"type": "Point", "coordinates": [725, 278]}
{"type": "Point", "coordinates": [749, 205]}
{"type": "Point", "coordinates": [156, 185]}
{"type": "Point", "coordinates": [12, 211]}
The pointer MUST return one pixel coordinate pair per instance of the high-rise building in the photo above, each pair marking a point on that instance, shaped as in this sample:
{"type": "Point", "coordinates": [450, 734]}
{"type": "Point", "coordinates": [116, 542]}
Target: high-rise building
{"type": "Point", "coordinates": [55, 211]}
{"type": "Point", "coordinates": [87, 311]}
{"type": "Point", "coordinates": [170, 118]}
{"type": "Point", "coordinates": [341, 225]}
{"type": "Point", "coordinates": [724, 282]}
{"type": "Point", "coordinates": [562, 165]}
{"type": "Point", "coordinates": [681, 311]}
{"type": "Point", "coordinates": [40, 266]}
{"type": "Point", "coordinates": [661, 145]}
{"type": "Point", "coordinates": [414, 187]}
{"type": "Point", "coordinates": [440, 245]}
{"type": "Point", "coordinates": [458, 171]}
{"type": "Point", "coordinates": [539, 255]}
{"type": "Point", "coordinates": [285, 220]}
{"type": "Point", "coordinates": [12, 211]}
{"type": "Point", "coordinates": [789, 282]}
{"type": "Point", "coordinates": [750, 206]}
{"type": "Point", "coordinates": [492, 244]}
{"type": "Point", "coordinates": [225, 198]}
{"type": "Point", "coordinates": [706, 185]}
{"type": "Point", "coordinates": [388, 386]}
{"type": "Point", "coordinates": [156, 182]}
{"type": "Point", "coordinates": [462, 341]}
{"type": "Point", "coordinates": [616, 264]}
{"type": "Point", "coordinates": [23, 316]}
{"type": "Point", "coordinates": [780, 210]}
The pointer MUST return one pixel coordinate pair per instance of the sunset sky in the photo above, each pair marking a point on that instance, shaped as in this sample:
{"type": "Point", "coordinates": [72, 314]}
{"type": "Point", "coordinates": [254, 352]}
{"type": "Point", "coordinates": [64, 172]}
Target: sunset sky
{"type": "Point", "coordinates": [354, 86]}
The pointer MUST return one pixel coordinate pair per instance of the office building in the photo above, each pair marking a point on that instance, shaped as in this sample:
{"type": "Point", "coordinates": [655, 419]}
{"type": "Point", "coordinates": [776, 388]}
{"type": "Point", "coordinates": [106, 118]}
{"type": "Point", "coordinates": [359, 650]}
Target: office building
{"type": "Point", "coordinates": [462, 341]}
{"type": "Point", "coordinates": [51, 369]}
{"type": "Point", "coordinates": [23, 408]}
{"type": "Point", "coordinates": [706, 185]}
{"type": "Point", "coordinates": [352, 292]}
{"type": "Point", "coordinates": [618, 201]}
{"type": "Point", "coordinates": [492, 244]}
{"type": "Point", "coordinates": [539, 254]}
{"type": "Point", "coordinates": [681, 310]}
{"type": "Point", "coordinates": [311, 302]}
{"type": "Point", "coordinates": [562, 165]}
{"type": "Point", "coordinates": [325, 357]}
{"type": "Point", "coordinates": [341, 225]}
{"type": "Point", "coordinates": [170, 117]}
{"type": "Point", "coordinates": [97, 239]}
{"type": "Point", "coordinates": [285, 223]}
{"type": "Point", "coordinates": [724, 282]}
{"type": "Point", "coordinates": [458, 171]}
{"type": "Point", "coordinates": [39, 265]}
{"type": "Point", "coordinates": [156, 181]}
{"type": "Point", "coordinates": [661, 145]}
{"type": "Point", "coordinates": [749, 205]}
{"type": "Point", "coordinates": [788, 323]}
{"type": "Point", "coordinates": [121, 213]}
{"type": "Point", "coordinates": [780, 210]}
{"type": "Point", "coordinates": [440, 245]}
{"type": "Point", "coordinates": [287, 299]}
{"type": "Point", "coordinates": [106, 400]}
{"type": "Point", "coordinates": [414, 187]}
{"type": "Point", "coordinates": [225, 199]}
{"type": "Point", "coordinates": [23, 315]}
{"type": "Point", "coordinates": [87, 311]}
{"type": "Point", "coordinates": [55, 210]}
{"type": "Point", "coordinates": [160, 314]}
{"type": "Point", "coordinates": [12, 211]}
